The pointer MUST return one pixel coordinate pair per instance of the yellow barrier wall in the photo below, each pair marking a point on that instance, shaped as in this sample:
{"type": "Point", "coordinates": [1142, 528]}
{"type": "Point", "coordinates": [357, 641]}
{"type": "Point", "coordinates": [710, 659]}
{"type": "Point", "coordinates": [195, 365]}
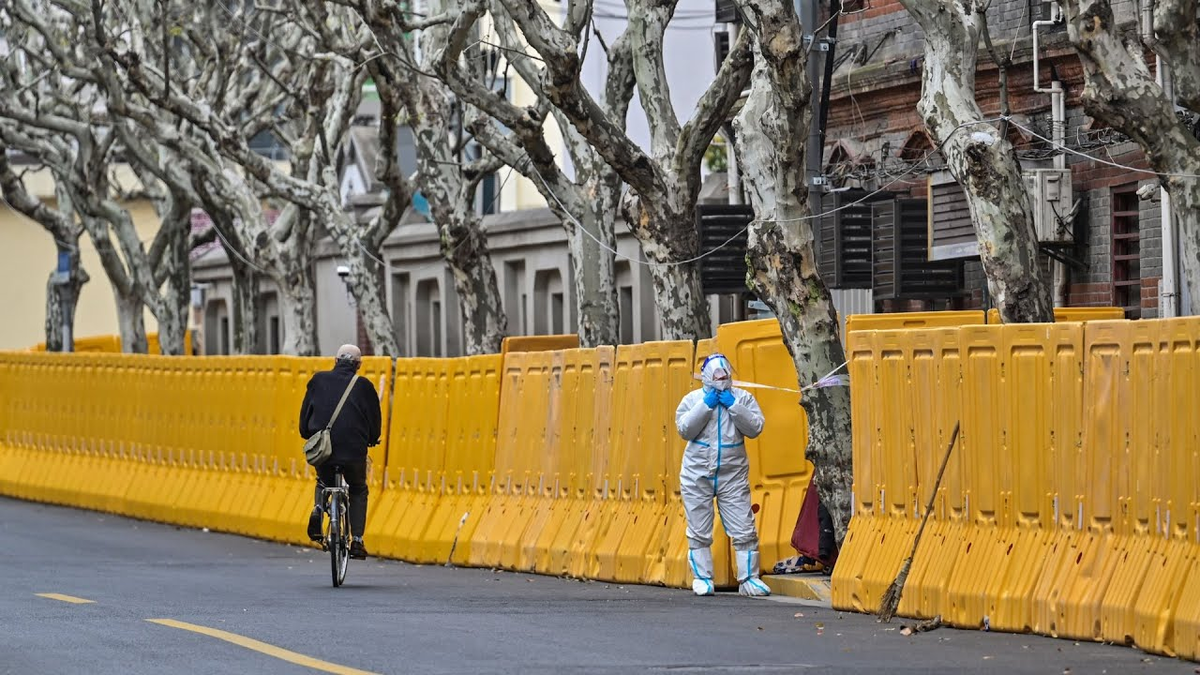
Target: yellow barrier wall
{"type": "Point", "coordinates": [1072, 314]}
{"type": "Point", "coordinates": [562, 462]}
{"type": "Point", "coordinates": [1069, 506]}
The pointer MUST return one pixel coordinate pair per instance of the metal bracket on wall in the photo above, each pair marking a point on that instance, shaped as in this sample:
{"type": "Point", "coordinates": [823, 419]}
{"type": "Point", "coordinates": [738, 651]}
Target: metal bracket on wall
{"type": "Point", "coordinates": [1074, 255]}
{"type": "Point", "coordinates": [822, 45]}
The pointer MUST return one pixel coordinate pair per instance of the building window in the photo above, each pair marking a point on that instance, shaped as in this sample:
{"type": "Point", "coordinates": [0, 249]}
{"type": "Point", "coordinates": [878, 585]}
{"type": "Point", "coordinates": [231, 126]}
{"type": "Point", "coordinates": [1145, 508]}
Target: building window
{"type": "Point", "coordinates": [556, 313]}
{"type": "Point", "coordinates": [625, 310]}
{"type": "Point", "coordinates": [1126, 251]}
{"type": "Point", "coordinates": [274, 335]}
{"type": "Point", "coordinates": [400, 318]}
{"type": "Point", "coordinates": [428, 323]}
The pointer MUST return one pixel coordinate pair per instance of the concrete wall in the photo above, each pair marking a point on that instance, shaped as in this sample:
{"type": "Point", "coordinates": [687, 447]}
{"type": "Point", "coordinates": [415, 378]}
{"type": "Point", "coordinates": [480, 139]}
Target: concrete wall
{"type": "Point", "coordinates": [28, 256]}
{"type": "Point", "coordinates": [533, 271]}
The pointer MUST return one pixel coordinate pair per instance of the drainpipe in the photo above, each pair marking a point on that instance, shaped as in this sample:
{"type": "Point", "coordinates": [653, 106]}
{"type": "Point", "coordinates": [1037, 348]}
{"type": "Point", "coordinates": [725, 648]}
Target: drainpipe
{"type": "Point", "coordinates": [1058, 118]}
{"type": "Point", "coordinates": [1168, 293]}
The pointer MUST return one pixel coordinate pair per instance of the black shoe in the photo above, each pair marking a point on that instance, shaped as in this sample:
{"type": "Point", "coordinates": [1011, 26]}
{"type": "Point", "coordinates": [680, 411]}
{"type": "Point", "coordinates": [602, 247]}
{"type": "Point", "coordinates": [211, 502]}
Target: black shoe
{"type": "Point", "coordinates": [314, 525]}
{"type": "Point", "coordinates": [357, 550]}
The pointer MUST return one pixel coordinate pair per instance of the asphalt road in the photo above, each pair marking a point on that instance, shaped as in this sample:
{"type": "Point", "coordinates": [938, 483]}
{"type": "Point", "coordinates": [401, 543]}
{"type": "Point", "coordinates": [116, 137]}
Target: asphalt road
{"type": "Point", "coordinates": [234, 605]}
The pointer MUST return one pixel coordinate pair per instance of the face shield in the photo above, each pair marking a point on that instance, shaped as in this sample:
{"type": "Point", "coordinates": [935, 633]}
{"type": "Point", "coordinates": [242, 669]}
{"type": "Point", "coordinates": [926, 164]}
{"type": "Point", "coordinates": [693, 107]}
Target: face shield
{"type": "Point", "coordinates": [716, 373]}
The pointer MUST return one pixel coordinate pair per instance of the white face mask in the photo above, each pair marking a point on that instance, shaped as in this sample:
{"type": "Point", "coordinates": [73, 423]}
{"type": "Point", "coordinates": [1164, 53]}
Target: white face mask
{"type": "Point", "coordinates": [714, 366]}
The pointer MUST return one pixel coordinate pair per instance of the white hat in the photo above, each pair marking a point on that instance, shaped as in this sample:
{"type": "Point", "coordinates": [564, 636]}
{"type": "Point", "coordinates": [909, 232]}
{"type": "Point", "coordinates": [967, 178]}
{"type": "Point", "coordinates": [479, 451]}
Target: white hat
{"type": "Point", "coordinates": [349, 353]}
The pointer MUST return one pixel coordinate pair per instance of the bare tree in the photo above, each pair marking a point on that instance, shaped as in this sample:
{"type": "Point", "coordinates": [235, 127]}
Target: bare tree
{"type": "Point", "coordinates": [403, 77]}
{"type": "Point", "coordinates": [63, 286]}
{"type": "Point", "coordinates": [664, 183]}
{"type": "Point", "coordinates": [204, 90]}
{"type": "Point", "coordinates": [1122, 92]}
{"type": "Point", "coordinates": [58, 119]}
{"type": "Point", "coordinates": [587, 205]}
{"type": "Point", "coordinates": [980, 158]}
{"type": "Point", "coordinates": [772, 130]}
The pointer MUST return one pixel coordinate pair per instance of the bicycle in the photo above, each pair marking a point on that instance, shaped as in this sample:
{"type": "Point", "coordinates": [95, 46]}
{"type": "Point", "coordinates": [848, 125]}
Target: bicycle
{"type": "Point", "coordinates": [337, 532]}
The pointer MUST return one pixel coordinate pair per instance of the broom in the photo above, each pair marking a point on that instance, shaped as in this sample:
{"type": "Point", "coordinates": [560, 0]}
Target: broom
{"type": "Point", "coordinates": [891, 599]}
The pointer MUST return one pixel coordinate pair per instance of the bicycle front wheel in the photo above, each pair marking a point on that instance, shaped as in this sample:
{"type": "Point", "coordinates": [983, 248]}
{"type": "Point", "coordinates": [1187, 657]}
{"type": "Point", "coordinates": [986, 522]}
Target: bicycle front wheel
{"type": "Point", "coordinates": [339, 539]}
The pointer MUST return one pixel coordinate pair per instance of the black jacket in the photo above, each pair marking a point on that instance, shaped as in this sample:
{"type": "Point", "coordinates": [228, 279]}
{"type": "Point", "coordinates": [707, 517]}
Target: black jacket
{"type": "Point", "coordinates": [358, 425]}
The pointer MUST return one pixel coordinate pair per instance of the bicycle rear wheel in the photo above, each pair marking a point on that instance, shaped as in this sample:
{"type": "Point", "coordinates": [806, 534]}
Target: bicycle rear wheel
{"type": "Point", "coordinates": [339, 539]}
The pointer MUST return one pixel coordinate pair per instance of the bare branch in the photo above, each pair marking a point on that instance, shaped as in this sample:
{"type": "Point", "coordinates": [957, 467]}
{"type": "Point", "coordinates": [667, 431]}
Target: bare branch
{"type": "Point", "coordinates": [714, 106]}
{"type": "Point", "coordinates": [647, 30]}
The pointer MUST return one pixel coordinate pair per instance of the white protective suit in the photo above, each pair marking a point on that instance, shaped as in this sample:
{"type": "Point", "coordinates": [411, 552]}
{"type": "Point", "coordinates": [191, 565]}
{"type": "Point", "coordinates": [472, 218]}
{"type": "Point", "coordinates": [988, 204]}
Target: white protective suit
{"type": "Point", "coordinates": [715, 465]}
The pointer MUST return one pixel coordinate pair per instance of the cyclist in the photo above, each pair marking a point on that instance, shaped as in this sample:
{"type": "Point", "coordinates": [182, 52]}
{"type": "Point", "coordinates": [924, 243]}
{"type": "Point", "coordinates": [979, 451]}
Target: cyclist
{"type": "Point", "coordinates": [356, 428]}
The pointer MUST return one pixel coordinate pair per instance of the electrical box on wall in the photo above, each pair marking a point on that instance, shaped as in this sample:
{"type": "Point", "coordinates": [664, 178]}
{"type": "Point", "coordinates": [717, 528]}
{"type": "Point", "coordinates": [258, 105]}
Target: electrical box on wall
{"type": "Point", "coordinates": [1051, 197]}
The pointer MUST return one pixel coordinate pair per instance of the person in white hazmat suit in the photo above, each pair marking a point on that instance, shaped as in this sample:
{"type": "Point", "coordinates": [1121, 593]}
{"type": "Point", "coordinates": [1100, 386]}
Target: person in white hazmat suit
{"type": "Point", "coordinates": [715, 421]}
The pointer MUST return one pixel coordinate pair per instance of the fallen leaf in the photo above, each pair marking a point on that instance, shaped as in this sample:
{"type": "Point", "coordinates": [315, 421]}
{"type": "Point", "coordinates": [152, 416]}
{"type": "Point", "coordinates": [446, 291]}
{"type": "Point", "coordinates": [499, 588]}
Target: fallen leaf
{"type": "Point", "coordinates": [798, 615]}
{"type": "Point", "coordinates": [820, 626]}
{"type": "Point", "coordinates": [931, 624]}
{"type": "Point", "coordinates": [760, 627]}
{"type": "Point", "coordinates": [986, 658]}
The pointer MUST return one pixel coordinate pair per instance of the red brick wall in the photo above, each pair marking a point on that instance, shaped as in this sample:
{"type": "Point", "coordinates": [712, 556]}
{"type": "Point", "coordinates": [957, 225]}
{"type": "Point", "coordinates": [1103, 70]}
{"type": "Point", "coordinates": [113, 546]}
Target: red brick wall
{"type": "Point", "coordinates": [1094, 175]}
{"type": "Point", "coordinates": [1090, 295]}
{"type": "Point", "coordinates": [873, 9]}
{"type": "Point", "coordinates": [1150, 293]}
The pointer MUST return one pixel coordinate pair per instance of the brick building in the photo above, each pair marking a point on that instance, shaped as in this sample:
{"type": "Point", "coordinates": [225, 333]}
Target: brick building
{"type": "Point", "coordinates": [875, 140]}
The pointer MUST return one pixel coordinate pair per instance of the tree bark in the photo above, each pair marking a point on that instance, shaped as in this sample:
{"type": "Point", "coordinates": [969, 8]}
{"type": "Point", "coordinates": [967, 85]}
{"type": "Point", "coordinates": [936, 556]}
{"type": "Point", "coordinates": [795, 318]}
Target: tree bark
{"type": "Point", "coordinates": [772, 130]}
{"type": "Point", "coordinates": [244, 312]}
{"type": "Point", "coordinates": [367, 277]}
{"type": "Point", "coordinates": [296, 310]}
{"type": "Point", "coordinates": [464, 245]}
{"type": "Point", "coordinates": [62, 300]}
{"type": "Point", "coordinates": [131, 322]}
{"type": "Point", "coordinates": [175, 267]}
{"type": "Point", "coordinates": [981, 159]}
{"type": "Point", "coordinates": [1121, 92]}
{"type": "Point", "coordinates": [595, 276]}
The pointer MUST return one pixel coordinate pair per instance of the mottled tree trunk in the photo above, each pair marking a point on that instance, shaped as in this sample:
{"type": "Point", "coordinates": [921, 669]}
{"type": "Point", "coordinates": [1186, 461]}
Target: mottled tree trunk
{"type": "Point", "coordinates": [243, 315]}
{"type": "Point", "coordinates": [62, 300]}
{"type": "Point", "coordinates": [451, 201]}
{"type": "Point", "coordinates": [1120, 91]}
{"type": "Point", "coordinates": [464, 246]}
{"type": "Point", "coordinates": [668, 238]}
{"type": "Point", "coordinates": [772, 133]}
{"type": "Point", "coordinates": [981, 159]}
{"type": "Point", "coordinates": [176, 268]}
{"type": "Point", "coordinates": [296, 309]}
{"type": "Point", "coordinates": [1185, 207]}
{"type": "Point", "coordinates": [595, 277]}
{"type": "Point", "coordinates": [368, 283]}
{"type": "Point", "coordinates": [131, 321]}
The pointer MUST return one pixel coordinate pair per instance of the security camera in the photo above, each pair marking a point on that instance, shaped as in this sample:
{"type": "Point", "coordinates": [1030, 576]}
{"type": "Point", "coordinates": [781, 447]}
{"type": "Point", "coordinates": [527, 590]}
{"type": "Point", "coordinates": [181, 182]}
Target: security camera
{"type": "Point", "coordinates": [343, 271]}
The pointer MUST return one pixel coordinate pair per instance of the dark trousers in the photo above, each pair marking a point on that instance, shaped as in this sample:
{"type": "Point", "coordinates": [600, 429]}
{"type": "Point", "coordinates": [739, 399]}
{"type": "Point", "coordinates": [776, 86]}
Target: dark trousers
{"type": "Point", "coordinates": [355, 474]}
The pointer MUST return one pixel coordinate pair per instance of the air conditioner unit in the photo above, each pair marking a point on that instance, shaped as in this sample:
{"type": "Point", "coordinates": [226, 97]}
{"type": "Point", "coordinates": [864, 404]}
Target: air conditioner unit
{"type": "Point", "coordinates": [1051, 197]}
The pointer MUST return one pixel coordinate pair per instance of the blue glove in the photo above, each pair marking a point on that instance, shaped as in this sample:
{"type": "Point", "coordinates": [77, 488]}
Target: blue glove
{"type": "Point", "coordinates": [726, 398]}
{"type": "Point", "coordinates": [711, 397]}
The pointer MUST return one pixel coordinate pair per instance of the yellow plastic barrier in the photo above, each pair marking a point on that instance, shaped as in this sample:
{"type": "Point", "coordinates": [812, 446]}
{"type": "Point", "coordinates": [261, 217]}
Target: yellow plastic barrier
{"type": "Point", "coordinates": [111, 344]}
{"type": "Point", "coordinates": [910, 320]}
{"type": "Point", "coordinates": [779, 472]}
{"type": "Point", "coordinates": [538, 343]}
{"type": "Point", "coordinates": [1072, 314]}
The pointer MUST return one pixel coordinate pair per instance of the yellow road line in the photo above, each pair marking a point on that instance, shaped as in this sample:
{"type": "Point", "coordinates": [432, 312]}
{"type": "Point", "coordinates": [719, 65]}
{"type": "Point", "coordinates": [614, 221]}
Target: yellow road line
{"type": "Point", "coordinates": [65, 598]}
{"type": "Point", "coordinates": [262, 647]}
